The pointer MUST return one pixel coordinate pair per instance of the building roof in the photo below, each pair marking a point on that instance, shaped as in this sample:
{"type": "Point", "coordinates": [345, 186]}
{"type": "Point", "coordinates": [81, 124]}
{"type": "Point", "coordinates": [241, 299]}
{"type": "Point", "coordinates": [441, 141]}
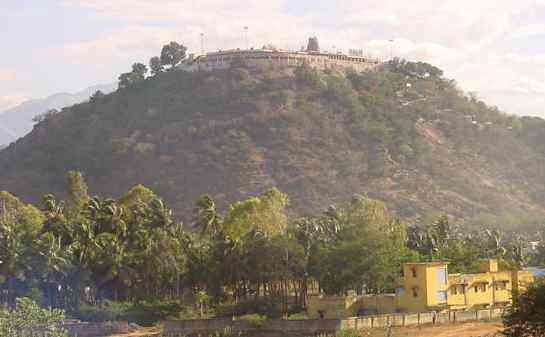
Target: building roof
{"type": "Point", "coordinates": [429, 264]}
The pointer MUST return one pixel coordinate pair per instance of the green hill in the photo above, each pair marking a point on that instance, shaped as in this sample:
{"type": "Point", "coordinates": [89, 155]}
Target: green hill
{"type": "Point", "coordinates": [403, 134]}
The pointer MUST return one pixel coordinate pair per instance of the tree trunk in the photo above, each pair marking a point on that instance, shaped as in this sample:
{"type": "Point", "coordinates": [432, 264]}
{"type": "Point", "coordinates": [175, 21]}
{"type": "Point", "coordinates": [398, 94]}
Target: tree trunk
{"type": "Point", "coordinates": [11, 292]}
{"type": "Point", "coordinates": [49, 294]}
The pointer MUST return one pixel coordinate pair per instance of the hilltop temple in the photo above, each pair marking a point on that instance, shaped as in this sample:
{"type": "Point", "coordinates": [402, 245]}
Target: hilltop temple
{"type": "Point", "coordinates": [312, 56]}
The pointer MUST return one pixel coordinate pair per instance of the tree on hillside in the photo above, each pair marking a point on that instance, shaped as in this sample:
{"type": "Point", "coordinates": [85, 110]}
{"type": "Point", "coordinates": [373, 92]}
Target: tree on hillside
{"type": "Point", "coordinates": [172, 54]}
{"type": "Point", "coordinates": [155, 65]}
{"type": "Point", "coordinates": [526, 318]}
{"type": "Point", "coordinates": [138, 74]}
{"type": "Point", "coordinates": [44, 116]}
{"type": "Point", "coordinates": [139, 70]}
{"type": "Point", "coordinates": [97, 96]}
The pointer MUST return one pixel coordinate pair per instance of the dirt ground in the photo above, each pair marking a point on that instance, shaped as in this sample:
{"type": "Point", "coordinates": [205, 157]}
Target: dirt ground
{"type": "Point", "coordinates": [144, 332]}
{"type": "Point", "coordinates": [477, 329]}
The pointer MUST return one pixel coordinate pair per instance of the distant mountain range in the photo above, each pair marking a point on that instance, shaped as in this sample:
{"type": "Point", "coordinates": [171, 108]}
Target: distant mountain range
{"type": "Point", "coordinates": [17, 121]}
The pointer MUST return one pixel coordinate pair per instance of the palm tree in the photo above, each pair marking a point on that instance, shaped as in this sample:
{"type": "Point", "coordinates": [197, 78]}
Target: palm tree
{"type": "Point", "coordinates": [205, 216]}
{"type": "Point", "coordinates": [56, 261]}
{"type": "Point", "coordinates": [18, 228]}
{"type": "Point", "coordinates": [12, 252]}
{"type": "Point", "coordinates": [159, 214]}
{"type": "Point", "coordinates": [114, 269]}
{"type": "Point", "coordinates": [55, 220]}
{"type": "Point", "coordinates": [495, 247]}
{"type": "Point", "coordinates": [106, 215]}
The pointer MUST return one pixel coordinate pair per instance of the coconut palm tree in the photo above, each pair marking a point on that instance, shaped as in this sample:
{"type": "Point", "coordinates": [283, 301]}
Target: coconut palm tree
{"type": "Point", "coordinates": [55, 262]}
{"type": "Point", "coordinates": [205, 216]}
{"type": "Point", "coordinates": [495, 246]}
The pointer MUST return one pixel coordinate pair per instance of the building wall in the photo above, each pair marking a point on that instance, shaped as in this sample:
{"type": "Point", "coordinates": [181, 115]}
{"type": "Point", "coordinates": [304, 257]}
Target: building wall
{"type": "Point", "coordinates": [332, 306]}
{"type": "Point", "coordinates": [435, 284]}
{"type": "Point", "coordinates": [377, 304]}
{"type": "Point", "coordinates": [522, 279]}
{"type": "Point", "coordinates": [480, 290]}
{"type": "Point", "coordinates": [321, 326]}
{"type": "Point", "coordinates": [421, 279]}
{"type": "Point", "coordinates": [222, 60]}
{"type": "Point", "coordinates": [489, 289]}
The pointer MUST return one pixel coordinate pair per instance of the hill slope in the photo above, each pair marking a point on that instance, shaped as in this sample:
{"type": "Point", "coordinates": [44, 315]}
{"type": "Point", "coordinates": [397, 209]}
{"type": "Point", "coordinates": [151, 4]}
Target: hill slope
{"type": "Point", "coordinates": [17, 121]}
{"type": "Point", "coordinates": [402, 134]}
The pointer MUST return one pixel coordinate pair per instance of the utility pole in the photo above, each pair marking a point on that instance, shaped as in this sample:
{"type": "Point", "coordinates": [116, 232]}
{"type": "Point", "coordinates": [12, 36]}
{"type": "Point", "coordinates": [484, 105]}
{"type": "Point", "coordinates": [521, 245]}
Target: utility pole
{"type": "Point", "coordinates": [391, 49]}
{"type": "Point", "coordinates": [202, 43]}
{"type": "Point", "coordinates": [246, 37]}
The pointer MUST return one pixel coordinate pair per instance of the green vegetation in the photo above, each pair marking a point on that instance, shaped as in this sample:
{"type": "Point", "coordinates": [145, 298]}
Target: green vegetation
{"type": "Point", "coordinates": [527, 316]}
{"type": "Point", "coordinates": [143, 312]}
{"type": "Point", "coordinates": [127, 258]}
{"type": "Point", "coordinates": [28, 319]}
{"type": "Point", "coordinates": [403, 134]}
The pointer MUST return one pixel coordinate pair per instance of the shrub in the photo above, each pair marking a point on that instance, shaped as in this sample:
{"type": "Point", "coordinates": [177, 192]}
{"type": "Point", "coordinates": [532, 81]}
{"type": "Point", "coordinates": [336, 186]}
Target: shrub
{"type": "Point", "coordinates": [108, 311]}
{"type": "Point", "coordinates": [526, 318]}
{"type": "Point", "coordinates": [144, 313]}
{"type": "Point", "coordinates": [258, 319]}
{"type": "Point", "coordinates": [269, 307]}
{"type": "Point", "coordinates": [27, 318]}
{"type": "Point", "coordinates": [300, 316]}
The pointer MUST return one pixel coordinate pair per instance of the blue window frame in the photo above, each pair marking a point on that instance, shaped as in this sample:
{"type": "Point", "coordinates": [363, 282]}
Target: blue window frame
{"type": "Point", "coordinates": [442, 276]}
{"type": "Point", "coordinates": [442, 296]}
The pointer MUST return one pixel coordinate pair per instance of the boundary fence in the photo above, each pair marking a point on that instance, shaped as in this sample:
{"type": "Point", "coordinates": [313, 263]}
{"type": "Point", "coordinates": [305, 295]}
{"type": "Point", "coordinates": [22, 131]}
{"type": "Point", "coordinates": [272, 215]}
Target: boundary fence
{"type": "Point", "coordinates": [320, 326]}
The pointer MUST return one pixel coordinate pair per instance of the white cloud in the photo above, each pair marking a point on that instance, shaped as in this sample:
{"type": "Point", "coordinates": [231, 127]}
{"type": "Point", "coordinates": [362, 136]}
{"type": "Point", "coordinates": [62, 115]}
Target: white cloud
{"type": "Point", "coordinates": [10, 101]}
{"type": "Point", "coordinates": [373, 17]}
{"type": "Point", "coordinates": [528, 31]}
{"type": "Point", "coordinates": [130, 41]}
{"type": "Point", "coordinates": [470, 40]}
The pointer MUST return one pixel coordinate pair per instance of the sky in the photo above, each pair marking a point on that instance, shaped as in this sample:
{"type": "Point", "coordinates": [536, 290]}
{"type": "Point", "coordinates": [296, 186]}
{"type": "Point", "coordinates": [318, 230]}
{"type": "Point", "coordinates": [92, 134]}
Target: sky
{"type": "Point", "coordinates": [495, 48]}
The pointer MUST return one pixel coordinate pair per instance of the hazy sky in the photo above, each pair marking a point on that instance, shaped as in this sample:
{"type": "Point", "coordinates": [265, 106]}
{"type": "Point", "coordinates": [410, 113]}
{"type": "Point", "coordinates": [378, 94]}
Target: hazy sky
{"type": "Point", "coordinates": [493, 47]}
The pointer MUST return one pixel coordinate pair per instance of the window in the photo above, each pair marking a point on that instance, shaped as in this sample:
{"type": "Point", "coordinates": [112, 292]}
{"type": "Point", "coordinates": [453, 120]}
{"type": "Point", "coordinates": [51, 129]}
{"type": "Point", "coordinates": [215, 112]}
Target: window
{"type": "Point", "coordinates": [501, 286]}
{"type": "Point", "coordinates": [476, 289]}
{"type": "Point", "coordinates": [483, 287]}
{"type": "Point", "coordinates": [413, 270]}
{"type": "Point", "coordinates": [442, 275]}
{"type": "Point", "coordinates": [400, 291]}
{"type": "Point", "coordinates": [442, 296]}
{"type": "Point", "coordinates": [415, 292]}
{"type": "Point", "coordinates": [457, 290]}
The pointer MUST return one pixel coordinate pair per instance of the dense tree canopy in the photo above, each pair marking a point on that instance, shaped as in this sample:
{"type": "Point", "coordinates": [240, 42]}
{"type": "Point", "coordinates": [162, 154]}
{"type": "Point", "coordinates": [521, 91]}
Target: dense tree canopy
{"type": "Point", "coordinates": [172, 54]}
{"type": "Point", "coordinates": [85, 250]}
{"type": "Point", "coordinates": [527, 316]}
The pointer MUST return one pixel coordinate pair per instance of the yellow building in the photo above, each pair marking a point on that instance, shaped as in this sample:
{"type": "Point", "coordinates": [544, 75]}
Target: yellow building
{"type": "Point", "coordinates": [427, 287]}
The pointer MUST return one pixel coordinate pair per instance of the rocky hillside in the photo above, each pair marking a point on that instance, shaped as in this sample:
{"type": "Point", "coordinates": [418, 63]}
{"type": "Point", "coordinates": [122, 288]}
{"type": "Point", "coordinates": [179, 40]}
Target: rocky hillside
{"type": "Point", "coordinates": [403, 134]}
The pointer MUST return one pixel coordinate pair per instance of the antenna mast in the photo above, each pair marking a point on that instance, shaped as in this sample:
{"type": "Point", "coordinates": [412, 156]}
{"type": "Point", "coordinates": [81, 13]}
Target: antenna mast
{"type": "Point", "coordinates": [246, 37]}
